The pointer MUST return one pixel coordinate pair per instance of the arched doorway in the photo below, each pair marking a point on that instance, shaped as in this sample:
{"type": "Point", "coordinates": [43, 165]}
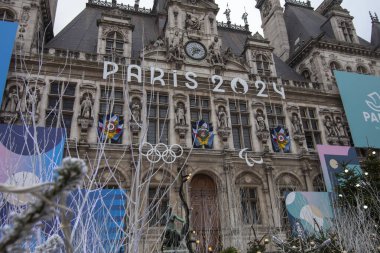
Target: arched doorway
{"type": "Point", "coordinates": [205, 213]}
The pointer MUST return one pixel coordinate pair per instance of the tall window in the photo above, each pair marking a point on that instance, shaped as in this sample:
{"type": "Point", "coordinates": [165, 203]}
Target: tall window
{"type": "Point", "coordinates": [334, 66]}
{"type": "Point", "coordinates": [347, 32]}
{"type": "Point", "coordinates": [241, 128]}
{"type": "Point", "coordinates": [114, 43]}
{"type": "Point", "coordinates": [275, 115]}
{"type": "Point", "coordinates": [158, 204]}
{"type": "Point", "coordinates": [286, 183]}
{"type": "Point", "coordinates": [7, 15]}
{"type": "Point", "coordinates": [361, 70]}
{"type": "Point", "coordinates": [262, 63]}
{"type": "Point", "coordinates": [249, 205]}
{"type": "Point", "coordinates": [318, 184]}
{"type": "Point", "coordinates": [200, 108]}
{"type": "Point", "coordinates": [61, 100]}
{"type": "Point", "coordinates": [348, 69]}
{"type": "Point", "coordinates": [306, 75]}
{"type": "Point", "coordinates": [158, 117]}
{"type": "Point", "coordinates": [310, 126]}
{"type": "Point", "coordinates": [111, 103]}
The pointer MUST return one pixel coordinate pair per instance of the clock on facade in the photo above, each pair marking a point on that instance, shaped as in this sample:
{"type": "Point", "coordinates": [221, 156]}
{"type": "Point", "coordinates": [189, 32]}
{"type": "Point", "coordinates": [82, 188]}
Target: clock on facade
{"type": "Point", "coordinates": [195, 50]}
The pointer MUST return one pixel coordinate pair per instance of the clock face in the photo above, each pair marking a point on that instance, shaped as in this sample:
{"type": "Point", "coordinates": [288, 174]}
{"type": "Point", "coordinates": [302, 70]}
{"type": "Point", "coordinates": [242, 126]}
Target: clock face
{"type": "Point", "coordinates": [195, 50]}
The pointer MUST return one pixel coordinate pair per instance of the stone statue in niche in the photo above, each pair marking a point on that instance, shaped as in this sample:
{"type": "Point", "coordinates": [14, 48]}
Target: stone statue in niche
{"type": "Point", "coordinates": [339, 127]}
{"type": "Point", "coordinates": [297, 126]}
{"type": "Point", "coordinates": [159, 42]}
{"type": "Point", "coordinates": [260, 119]}
{"type": "Point", "coordinates": [13, 99]}
{"type": "Point", "coordinates": [329, 125]}
{"type": "Point", "coordinates": [32, 99]}
{"type": "Point", "coordinates": [175, 48]}
{"type": "Point", "coordinates": [222, 117]}
{"type": "Point", "coordinates": [86, 108]}
{"type": "Point", "coordinates": [180, 115]}
{"type": "Point", "coordinates": [215, 50]}
{"type": "Point", "coordinates": [192, 22]}
{"type": "Point", "coordinates": [136, 110]}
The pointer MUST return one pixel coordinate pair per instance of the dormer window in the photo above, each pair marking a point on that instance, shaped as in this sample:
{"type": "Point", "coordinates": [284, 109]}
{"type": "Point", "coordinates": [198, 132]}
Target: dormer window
{"type": "Point", "coordinates": [7, 15]}
{"type": "Point", "coordinates": [262, 63]}
{"type": "Point", "coordinates": [361, 70]}
{"type": "Point", "coordinates": [114, 43]}
{"type": "Point", "coordinates": [347, 31]}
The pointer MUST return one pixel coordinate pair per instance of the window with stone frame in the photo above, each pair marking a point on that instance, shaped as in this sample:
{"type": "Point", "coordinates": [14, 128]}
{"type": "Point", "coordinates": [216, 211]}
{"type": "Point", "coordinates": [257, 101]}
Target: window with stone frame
{"type": "Point", "coordinates": [262, 65]}
{"type": "Point", "coordinates": [111, 103]}
{"type": "Point", "coordinates": [240, 124]}
{"type": "Point", "coordinates": [158, 117]}
{"type": "Point", "coordinates": [7, 15]}
{"type": "Point", "coordinates": [158, 205]}
{"type": "Point", "coordinates": [310, 127]}
{"type": "Point", "coordinates": [200, 108]}
{"type": "Point", "coordinates": [114, 43]}
{"type": "Point", "coordinates": [348, 69]}
{"type": "Point", "coordinates": [286, 183]}
{"type": "Point", "coordinates": [249, 205]}
{"type": "Point", "coordinates": [361, 70]}
{"type": "Point", "coordinates": [319, 184]}
{"type": "Point", "coordinates": [60, 107]}
{"type": "Point", "coordinates": [334, 66]}
{"type": "Point", "coordinates": [347, 31]}
{"type": "Point", "coordinates": [275, 115]}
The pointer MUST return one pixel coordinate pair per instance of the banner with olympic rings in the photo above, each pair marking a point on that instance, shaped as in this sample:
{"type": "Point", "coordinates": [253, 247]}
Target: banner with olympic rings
{"type": "Point", "coordinates": [155, 153]}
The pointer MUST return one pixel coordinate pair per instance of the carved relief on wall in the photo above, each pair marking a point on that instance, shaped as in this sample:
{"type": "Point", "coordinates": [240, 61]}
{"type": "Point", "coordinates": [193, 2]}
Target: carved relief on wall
{"type": "Point", "coordinates": [335, 127]}
{"type": "Point", "coordinates": [181, 122]}
{"type": "Point", "coordinates": [267, 6]}
{"type": "Point", "coordinates": [175, 48]}
{"type": "Point", "coordinates": [215, 52]}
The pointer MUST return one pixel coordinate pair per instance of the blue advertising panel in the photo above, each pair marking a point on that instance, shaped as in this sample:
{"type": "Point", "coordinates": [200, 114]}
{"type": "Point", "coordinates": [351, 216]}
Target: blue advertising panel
{"type": "Point", "coordinates": [7, 38]}
{"type": "Point", "coordinates": [361, 100]}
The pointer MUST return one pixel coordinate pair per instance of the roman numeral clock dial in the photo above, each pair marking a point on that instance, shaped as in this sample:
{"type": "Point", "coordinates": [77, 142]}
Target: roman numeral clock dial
{"type": "Point", "coordinates": [195, 50]}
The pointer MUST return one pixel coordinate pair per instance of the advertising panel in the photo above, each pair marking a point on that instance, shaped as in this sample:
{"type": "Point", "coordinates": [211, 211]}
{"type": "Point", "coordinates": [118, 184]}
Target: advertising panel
{"type": "Point", "coordinates": [7, 38]}
{"type": "Point", "coordinates": [361, 100]}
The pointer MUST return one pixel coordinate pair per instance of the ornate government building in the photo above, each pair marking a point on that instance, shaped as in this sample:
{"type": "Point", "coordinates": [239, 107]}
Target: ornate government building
{"type": "Point", "coordinates": [247, 110]}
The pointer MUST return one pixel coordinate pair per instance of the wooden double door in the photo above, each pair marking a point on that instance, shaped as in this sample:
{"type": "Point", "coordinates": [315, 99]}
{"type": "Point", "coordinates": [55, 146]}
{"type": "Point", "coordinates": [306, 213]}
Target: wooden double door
{"type": "Point", "coordinates": [205, 218]}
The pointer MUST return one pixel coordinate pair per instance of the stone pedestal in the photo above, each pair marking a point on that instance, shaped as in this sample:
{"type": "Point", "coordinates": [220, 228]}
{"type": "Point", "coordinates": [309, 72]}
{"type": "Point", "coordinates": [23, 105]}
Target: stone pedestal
{"type": "Point", "coordinates": [135, 130]}
{"type": "Point", "coordinates": [8, 117]}
{"type": "Point", "coordinates": [85, 124]}
{"type": "Point", "coordinates": [336, 140]}
{"type": "Point", "coordinates": [224, 133]}
{"type": "Point", "coordinates": [182, 131]}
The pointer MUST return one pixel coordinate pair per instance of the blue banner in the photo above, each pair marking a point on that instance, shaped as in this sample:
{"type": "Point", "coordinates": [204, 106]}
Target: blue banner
{"type": "Point", "coordinates": [7, 38]}
{"type": "Point", "coordinates": [361, 100]}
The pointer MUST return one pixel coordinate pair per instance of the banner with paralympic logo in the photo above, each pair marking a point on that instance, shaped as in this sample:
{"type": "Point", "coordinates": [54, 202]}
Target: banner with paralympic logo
{"type": "Point", "coordinates": [361, 100]}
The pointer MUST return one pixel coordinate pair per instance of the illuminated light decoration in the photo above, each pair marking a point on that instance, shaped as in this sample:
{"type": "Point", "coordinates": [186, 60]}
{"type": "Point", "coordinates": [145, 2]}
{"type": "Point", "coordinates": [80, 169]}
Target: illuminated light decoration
{"type": "Point", "coordinates": [280, 139]}
{"type": "Point", "coordinates": [250, 161]}
{"type": "Point", "coordinates": [110, 127]}
{"type": "Point", "coordinates": [237, 84]}
{"type": "Point", "coordinates": [161, 151]}
{"type": "Point", "coordinates": [203, 135]}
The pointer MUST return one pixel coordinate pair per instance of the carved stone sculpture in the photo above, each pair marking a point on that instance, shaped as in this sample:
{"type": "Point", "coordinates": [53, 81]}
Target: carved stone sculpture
{"type": "Point", "coordinates": [215, 50]}
{"type": "Point", "coordinates": [180, 115]}
{"type": "Point", "coordinates": [222, 117]}
{"type": "Point", "coordinates": [12, 103]}
{"type": "Point", "coordinates": [175, 48]}
{"type": "Point", "coordinates": [329, 125]}
{"type": "Point", "coordinates": [192, 22]}
{"type": "Point", "coordinates": [339, 127]}
{"type": "Point", "coordinates": [32, 99]}
{"type": "Point", "coordinates": [297, 125]}
{"type": "Point", "coordinates": [86, 108]}
{"type": "Point", "coordinates": [260, 119]}
{"type": "Point", "coordinates": [136, 111]}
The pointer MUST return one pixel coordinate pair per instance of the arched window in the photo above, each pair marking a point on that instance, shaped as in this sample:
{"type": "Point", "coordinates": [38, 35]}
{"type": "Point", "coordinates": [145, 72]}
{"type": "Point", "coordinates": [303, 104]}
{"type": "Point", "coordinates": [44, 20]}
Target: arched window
{"type": "Point", "coordinates": [306, 74]}
{"type": "Point", "coordinates": [114, 43]}
{"type": "Point", "coordinates": [347, 32]}
{"type": "Point", "coordinates": [262, 63]}
{"type": "Point", "coordinates": [6, 14]}
{"type": "Point", "coordinates": [319, 184]}
{"type": "Point", "coordinates": [286, 183]}
{"type": "Point", "coordinates": [348, 69]}
{"type": "Point", "coordinates": [334, 66]}
{"type": "Point", "coordinates": [361, 70]}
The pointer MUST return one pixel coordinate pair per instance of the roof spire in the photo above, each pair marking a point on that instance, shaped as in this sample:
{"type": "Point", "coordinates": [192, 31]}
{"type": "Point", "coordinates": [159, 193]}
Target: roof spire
{"type": "Point", "coordinates": [374, 18]}
{"type": "Point", "coordinates": [114, 3]}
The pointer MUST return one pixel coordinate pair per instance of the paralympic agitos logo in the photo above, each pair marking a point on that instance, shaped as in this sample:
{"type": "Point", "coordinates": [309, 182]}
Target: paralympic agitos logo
{"type": "Point", "coordinates": [373, 102]}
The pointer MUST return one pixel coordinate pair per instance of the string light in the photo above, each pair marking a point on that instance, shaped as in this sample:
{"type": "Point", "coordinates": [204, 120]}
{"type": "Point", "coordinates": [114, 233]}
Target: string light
{"type": "Point", "coordinates": [346, 170]}
{"type": "Point", "coordinates": [365, 206]}
{"type": "Point", "coordinates": [366, 173]}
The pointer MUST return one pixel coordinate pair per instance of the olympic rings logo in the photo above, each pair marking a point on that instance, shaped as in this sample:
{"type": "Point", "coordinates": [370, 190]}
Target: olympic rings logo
{"type": "Point", "coordinates": [167, 153]}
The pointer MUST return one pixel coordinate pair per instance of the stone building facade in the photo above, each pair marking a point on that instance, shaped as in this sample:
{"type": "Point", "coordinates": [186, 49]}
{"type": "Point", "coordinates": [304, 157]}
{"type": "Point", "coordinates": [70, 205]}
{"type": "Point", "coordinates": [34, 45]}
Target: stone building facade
{"type": "Point", "coordinates": [176, 65]}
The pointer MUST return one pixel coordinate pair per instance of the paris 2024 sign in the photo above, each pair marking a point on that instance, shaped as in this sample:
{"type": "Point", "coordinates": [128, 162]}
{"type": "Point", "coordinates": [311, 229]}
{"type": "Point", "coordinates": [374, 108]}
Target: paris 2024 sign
{"type": "Point", "coordinates": [361, 100]}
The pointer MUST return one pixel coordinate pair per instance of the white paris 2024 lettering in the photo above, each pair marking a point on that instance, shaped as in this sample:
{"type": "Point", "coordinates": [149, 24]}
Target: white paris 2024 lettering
{"type": "Point", "coordinates": [191, 80]}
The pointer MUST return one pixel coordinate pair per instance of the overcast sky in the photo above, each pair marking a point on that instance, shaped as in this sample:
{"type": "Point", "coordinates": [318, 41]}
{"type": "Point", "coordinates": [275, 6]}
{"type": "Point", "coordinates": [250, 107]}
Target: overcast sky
{"type": "Point", "coordinates": [68, 9]}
